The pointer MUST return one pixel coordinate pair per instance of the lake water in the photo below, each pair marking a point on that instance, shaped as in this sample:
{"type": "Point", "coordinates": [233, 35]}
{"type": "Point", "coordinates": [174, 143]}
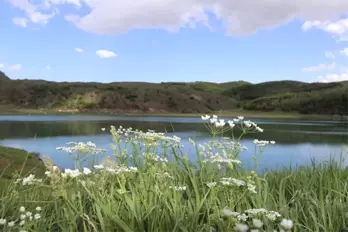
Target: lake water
{"type": "Point", "coordinates": [298, 141]}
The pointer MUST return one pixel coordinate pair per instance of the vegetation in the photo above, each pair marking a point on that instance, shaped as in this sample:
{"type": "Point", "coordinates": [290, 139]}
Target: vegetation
{"type": "Point", "coordinates": [174, 97]}
{"type": "Point", "coordinates": [149, 185]}
{"type": "Point", "coordinates": [18, 161]}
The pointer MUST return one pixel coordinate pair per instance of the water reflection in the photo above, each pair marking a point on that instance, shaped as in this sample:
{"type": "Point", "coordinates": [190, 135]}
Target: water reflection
{"type": "Point", "coordinates": [297, 141]}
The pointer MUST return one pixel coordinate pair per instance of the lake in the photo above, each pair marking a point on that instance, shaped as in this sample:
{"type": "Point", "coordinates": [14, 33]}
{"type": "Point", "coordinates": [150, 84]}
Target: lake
{"type": "Point", "coordinates": [297, 141]}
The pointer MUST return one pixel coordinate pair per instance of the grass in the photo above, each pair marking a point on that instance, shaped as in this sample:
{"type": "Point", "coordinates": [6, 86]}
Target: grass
{"type": "Point", "coordinates": [19, 161]}
{"type": "Point", "coordinates": [149, 185]}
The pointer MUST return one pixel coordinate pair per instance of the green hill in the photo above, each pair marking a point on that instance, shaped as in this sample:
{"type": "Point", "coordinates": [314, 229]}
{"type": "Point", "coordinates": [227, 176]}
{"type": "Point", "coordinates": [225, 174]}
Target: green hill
{"type": "Point", "coordinates": [3, 77]}
{"type": "Point", "coordinates": [292, 96]}
{"type": "Point", "coordinates": [175, 97]}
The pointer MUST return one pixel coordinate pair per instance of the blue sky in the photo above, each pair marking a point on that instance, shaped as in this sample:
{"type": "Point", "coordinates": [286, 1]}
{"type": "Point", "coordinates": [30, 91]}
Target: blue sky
{"type": "Point", "coordinates": [39, 40]}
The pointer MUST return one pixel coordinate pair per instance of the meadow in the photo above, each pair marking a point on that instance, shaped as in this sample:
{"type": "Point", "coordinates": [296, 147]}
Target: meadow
{"type": "Point", "coordinates": [148, 184]}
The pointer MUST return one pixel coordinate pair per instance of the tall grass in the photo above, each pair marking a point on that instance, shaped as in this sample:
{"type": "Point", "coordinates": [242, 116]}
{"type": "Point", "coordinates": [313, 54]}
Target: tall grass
{"type": "Point", "coordinates": [150, 185]}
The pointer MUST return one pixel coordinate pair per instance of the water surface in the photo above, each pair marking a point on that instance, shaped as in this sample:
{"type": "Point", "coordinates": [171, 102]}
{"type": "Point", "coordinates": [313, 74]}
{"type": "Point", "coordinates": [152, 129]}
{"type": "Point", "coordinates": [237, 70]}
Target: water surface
{"type": "Point", "coordinates": [298, 141]}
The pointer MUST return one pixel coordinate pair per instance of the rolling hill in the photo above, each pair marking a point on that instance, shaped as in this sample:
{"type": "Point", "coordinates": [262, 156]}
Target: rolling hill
{"type": "Point", "coordinates": [175, 97]}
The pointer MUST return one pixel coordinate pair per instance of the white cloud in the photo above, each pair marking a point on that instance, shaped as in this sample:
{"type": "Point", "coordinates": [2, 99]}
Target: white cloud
{"type": "Point", "coordinates": [105, 54]}
{"type": "Point", "coordinates": [15, 67]}
{"type": "Point", "coordinates": [77, 3]}
{"type": "Point", "coordinates": [20, 21]}
{"type": "Point", "coordinates": [241, 17]}
{"type": "Point", "coordinates": [337, 28]}
{"type": "Point", "coordinates": [2, 66]}
{"type": "Point", "coordinates": [80, 50]}
{"type": "Point", "coordinates": [345, 51]}
{"type": "Point", "coordinates": [38, 17]}
{"type": "Point", "coordinates": [330, 55]}
{"type": "Point", "coordinates": [34, 12]}
{"type": "Point", "coordinates": [319, 67]}
{"type": "Point", "coordinates": [48, 67]}
{"type": "Point", "coordinates": [333, 77]}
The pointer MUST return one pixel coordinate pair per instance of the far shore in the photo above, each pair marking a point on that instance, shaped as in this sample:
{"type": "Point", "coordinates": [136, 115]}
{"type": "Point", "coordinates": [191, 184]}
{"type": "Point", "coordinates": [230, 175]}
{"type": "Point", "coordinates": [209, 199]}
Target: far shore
{"type": "Point", "coordinates": [231, 113]}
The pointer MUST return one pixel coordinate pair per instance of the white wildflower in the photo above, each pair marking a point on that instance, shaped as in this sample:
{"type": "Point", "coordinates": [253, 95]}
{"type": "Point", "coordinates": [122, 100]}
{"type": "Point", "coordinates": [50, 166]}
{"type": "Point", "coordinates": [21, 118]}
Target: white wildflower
{"type": "Point", "coordinates": [206, 117]}
{"type": "Point", "coordinates": [22, 209]}
{"type": "Point", "coordinates": [272, 215]}
{"type": "Point", "coordinates": [103, 129]}
{"type": "Point", "coordinates": [231, 123]}
{"type": "Point", "coordinates": [23, 231]}
{"type": "Point", "coordinates": [133, 169]}
{"type": "Point", "coordinates": [254, 230]}
{"type": "Point", "coordinates": [178, 188]}
{"type": "Point", "coordinates": [260, 143]}
{"type": "Point", "coordinates": [48, 173]}
{"type": "Point", "coordinates": [30, 180]}
{"type": "Point", "coordinates": [37, 216]}
{"type": "Point", "coordinates": [247, 123]}
{"type": "Point", "coordinates": [2, 221]}
{"type": "Point", "coordinates": [11, 224]}
{"type": "Point", "coordinates": [86, 171]}
{"type": "Point", "coordinates": [242, 217]}
{"type": "Point", "coordinates": [220, 123]}
{"type": "Point", "coordinates": [240, 117]}
{"type": "Point", "coordinates": [99, 166]}
{"type": "Point", "coordinates": [23, 216]}
{"type": "Point", "coordinates": [213, 120]}
{"type": "Point", "coordinates": [257, 223]}
{"type": "Point", "coordinates": [211, 184]}
{"type": "Point", "coordinates": [256, 211]}
{"type": "Point", "coordinates": [272, 142]}
{"type": "Point", "coordinates": [228, 212]}
{"type": "Point", "coordinates": [38, 208]}
{"type": "Point", "coordinates": [251, 188]}
{"type": "Point", "coordinates": [71, 173]}
{"type": "Point", "coordinates": [21, 223]}
{"type": "Point", "coordinates": [241, 227]}
{"type": "Point", "coordinates": [287, 224]}
{"type": "Point", "coordinates": [28, 214]}
{"type": "Point", "coordinates": [232, 181]}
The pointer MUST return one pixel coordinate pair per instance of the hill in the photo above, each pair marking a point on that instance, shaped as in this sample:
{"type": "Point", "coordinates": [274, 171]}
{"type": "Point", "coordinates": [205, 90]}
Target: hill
{"type": "Point", "coordinates": [3, 77]}
{"type": "Point", "coordinates": [292, 96]}
{"type": "Point", "coordinates": [115, 97]}
{"type": "Point", "coordinates": [175, 97]}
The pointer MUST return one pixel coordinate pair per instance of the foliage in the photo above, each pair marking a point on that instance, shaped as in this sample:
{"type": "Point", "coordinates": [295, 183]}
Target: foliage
{"type": "Point", "coordinates": [184, 97]}
{"type": "Point", "coordinates": [149, 185]}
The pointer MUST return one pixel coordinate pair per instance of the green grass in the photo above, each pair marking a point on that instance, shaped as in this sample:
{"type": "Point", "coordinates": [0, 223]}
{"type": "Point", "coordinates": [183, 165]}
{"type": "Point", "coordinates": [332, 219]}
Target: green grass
{"type": "Point", "coordinates": [123, 199]}
{"type": "Point", "coordinates": [18, 161]}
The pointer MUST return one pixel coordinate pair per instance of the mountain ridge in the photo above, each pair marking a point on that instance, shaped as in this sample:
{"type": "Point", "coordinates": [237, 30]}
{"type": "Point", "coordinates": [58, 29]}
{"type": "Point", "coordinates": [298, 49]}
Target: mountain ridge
{"type": "Point", "coordinates": [176, 97]}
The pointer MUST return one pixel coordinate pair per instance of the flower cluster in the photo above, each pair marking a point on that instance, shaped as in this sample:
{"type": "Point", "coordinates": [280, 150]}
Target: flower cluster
{"type": "Point", "coordinates": [80, 147]}
{"type": "Point", "coordinates": [149, 137]}
{"type": "Point", "coordinates": [86, 171]}
{"type": "Point", "coordinates": [220, 123]}
{"type": "Point", "coordinates": [25, 219]}
{"type": "Point", "coordinates": [262, 143]}
{"type": "Point", "coordinates": [228, 181]}
{"type": "Point", "coordinates": [178, 188]}
{"type": "Point", "coordinates": [115, 170]}
{"type": "Point", "coordinates": [29, 180]}
{"type": "Point", "coordinates": [155, 158]}
{"type": "Point", "coordinates": [256, 223]}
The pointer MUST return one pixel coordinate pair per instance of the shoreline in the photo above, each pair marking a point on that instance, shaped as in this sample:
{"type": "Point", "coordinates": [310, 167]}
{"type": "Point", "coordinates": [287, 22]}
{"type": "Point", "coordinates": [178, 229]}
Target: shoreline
{"type": "Point", "coordinates": [231, 113]}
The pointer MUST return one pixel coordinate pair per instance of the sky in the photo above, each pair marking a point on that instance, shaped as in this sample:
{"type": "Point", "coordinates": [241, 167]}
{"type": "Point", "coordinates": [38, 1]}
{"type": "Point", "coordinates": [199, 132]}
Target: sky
{"type": "Point", "coordinates": [174, 40]}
